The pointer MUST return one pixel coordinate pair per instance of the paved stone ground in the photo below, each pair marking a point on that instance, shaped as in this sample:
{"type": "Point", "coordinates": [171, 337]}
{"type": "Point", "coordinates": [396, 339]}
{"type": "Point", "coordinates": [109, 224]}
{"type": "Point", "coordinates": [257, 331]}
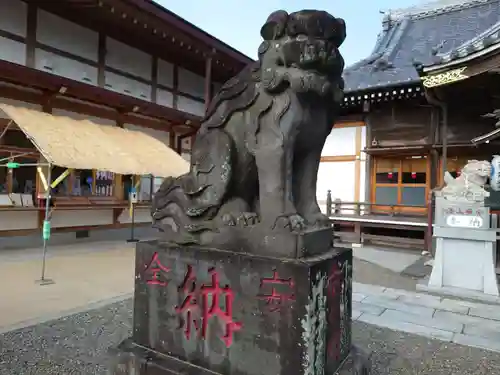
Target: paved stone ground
{"type": "Point", "coordinates": [368, 273]}
{"type": "Point", "coordinates": [462, 322]}
{"type": "Point", "coordinates": [78, 345]}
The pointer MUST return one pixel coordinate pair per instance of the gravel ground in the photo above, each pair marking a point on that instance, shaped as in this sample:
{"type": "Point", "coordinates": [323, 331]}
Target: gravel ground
{"type": "Point", "coordinates": [78, 344]}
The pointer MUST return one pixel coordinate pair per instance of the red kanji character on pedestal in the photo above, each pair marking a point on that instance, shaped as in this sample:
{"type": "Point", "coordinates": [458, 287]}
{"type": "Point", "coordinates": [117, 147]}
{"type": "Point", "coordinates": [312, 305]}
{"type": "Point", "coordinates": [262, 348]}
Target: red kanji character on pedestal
{"type": "Point", "coordinates": [208, 310]}
{"type": "Point", "coordinates": [275, 299]}
{"type": "Point", "coordinates": [156, 268]}
{"type": "Point", "coordinates": [189, 305]}
{"type": "Point", "coordinates": [226, 316]}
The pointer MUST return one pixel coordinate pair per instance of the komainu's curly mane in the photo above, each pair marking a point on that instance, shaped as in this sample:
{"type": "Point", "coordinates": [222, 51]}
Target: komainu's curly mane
{"type": "Point", "coordinates": [235, 95]}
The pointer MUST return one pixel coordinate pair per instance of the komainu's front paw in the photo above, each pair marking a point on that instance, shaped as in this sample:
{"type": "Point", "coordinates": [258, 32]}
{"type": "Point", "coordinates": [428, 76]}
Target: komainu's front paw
{"type": "Point", "coordinates": [294, 222]}
{"type": "Point", "coordinates": [247, 218]}
{"type": "Point", "coordinates": [241, 219]}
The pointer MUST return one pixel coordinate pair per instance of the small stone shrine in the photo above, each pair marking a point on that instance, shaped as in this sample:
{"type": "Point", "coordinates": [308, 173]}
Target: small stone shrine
{"type": "Point", "coordinates": [244, 279]}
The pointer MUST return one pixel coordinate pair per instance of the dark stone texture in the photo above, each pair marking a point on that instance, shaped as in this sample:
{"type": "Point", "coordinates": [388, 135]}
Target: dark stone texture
{"type": "Point", "coordinates": [289, 316]}
{"type": "Point", "coordinates": [254, 164]}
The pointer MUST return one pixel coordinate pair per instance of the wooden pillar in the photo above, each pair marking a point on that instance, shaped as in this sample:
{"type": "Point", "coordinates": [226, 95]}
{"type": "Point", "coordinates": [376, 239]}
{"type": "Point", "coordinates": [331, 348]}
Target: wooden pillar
{"type": "Point", "coordinates": [357, 164]}
{"type": "Point", "coordinates": [175, 87]}
{"type": "Point", "coordinates": [120, 119]}
{"type": "Point", "coordinates": [172, 139]}
{"type": "Point", "coordinates": [444, 139]}
{"type": "Point", "coordinates": [154, 82]}
{"type": "Point", "coordinates": [118, 191]}
{"type": "Point", "coordinates": [368, 164]}
{"type": "Point", "coordinates": [208, 80]}
{"type": "Point", "coordinates": [39, 189]}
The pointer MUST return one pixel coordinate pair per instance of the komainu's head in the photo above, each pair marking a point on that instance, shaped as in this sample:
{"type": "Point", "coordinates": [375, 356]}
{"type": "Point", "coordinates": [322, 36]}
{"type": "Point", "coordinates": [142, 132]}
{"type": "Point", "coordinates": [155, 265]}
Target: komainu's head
{"type": "Point", "coordinates": [301, 51]}
{"type": "Point", "coordinates": [299, 54]}
{"type": "Point", "coordinates": [480, 171]}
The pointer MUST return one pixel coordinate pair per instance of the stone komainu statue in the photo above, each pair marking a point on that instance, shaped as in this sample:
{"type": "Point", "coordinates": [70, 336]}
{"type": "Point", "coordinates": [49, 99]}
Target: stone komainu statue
{"type": "Point", "coordinates": [256, 156]}
{"type": "Point", "coordinates": [474, 177]}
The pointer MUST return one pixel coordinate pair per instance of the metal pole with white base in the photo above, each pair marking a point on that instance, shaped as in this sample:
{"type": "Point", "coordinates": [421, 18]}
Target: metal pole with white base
{"type": "Point", "coordinates": [46, 230]}
{"type": "Point", "coordinates": [133, 200]}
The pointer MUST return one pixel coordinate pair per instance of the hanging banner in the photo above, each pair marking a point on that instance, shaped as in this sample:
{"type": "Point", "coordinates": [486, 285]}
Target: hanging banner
{"type": "Point", "coordinates": [495, 173]}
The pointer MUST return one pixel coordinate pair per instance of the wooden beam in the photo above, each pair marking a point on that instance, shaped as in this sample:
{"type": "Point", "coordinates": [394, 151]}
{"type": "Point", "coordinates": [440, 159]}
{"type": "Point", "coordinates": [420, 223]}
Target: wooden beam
{"type": "Point", "coordinates": [4, 131]}
{"type": "Point", "coordinates": [18, 150]}
{"type": "Point", "coordinates": [348, 124]}
{"type": "Point", "coordinates": [28, 77]}
{"type": "Point", "coordinates": [338, 158]}
{"type": "Point", "coordinates": [81, 107]}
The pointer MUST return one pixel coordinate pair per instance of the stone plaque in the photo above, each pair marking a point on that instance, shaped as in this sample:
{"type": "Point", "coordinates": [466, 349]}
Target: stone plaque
{"type": "Point", "coordinates": [461, 214]}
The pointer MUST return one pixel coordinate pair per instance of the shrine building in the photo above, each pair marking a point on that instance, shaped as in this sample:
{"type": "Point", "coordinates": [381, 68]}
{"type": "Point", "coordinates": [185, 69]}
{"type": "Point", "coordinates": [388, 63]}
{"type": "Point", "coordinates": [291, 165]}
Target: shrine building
{"type": "Point", "coordinates": [398, 132]}
{"type": "Point", "coordinates": [128, 64]}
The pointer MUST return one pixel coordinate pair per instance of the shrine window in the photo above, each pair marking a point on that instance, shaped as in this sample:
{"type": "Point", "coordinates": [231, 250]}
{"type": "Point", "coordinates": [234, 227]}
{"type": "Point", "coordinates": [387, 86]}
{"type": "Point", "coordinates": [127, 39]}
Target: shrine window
{"type": "Point", "coordinates": [387, 171]}
{"type": "Point", "coordinates": [414, 181]}
{"type": "Point", "coordinates": [401, 181]}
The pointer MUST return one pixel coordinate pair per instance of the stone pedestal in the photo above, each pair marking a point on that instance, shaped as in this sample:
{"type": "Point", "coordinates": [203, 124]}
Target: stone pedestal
{"type": "Point", "coordinates": [464, 264]}
{"type": "Point", "coordinates": [208, 311]}
{"type": "Point", "coordinates": [465, 247]}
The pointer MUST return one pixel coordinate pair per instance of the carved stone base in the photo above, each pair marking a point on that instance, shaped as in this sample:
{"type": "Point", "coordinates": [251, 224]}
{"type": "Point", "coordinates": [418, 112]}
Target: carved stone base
{"type": "Point", "coordinates": [209, 311]}
{"type": "Point", "coordinates": [133, 359]}
{"type": "Point", "coordinates": [258, 239]}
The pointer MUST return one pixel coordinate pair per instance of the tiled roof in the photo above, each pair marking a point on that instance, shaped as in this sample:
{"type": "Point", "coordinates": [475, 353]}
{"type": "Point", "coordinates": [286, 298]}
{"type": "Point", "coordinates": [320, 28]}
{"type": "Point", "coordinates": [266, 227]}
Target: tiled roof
{"type": "Point", "coordinates": [476, 45]}
{"type": "Point", "coordinates": [420, 35]}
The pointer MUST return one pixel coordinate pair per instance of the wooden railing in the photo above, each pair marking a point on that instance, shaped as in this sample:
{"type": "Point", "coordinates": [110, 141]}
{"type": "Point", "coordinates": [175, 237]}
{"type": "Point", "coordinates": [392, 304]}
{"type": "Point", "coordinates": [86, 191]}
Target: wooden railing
{"type": "Point", "coordinates": [337, 207]}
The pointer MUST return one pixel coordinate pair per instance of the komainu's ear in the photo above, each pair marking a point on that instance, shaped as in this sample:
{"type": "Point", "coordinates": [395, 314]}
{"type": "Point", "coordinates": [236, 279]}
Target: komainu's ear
{"type": "Point", "coordinates": [274, 26]}
{"type": "Point", "coordinates": [339, 33]}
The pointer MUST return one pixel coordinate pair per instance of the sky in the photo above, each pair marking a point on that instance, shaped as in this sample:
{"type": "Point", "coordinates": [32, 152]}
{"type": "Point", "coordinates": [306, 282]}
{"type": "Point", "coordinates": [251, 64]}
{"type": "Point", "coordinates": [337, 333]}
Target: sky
{"type": "Point", "coordinates": [238, 23]}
